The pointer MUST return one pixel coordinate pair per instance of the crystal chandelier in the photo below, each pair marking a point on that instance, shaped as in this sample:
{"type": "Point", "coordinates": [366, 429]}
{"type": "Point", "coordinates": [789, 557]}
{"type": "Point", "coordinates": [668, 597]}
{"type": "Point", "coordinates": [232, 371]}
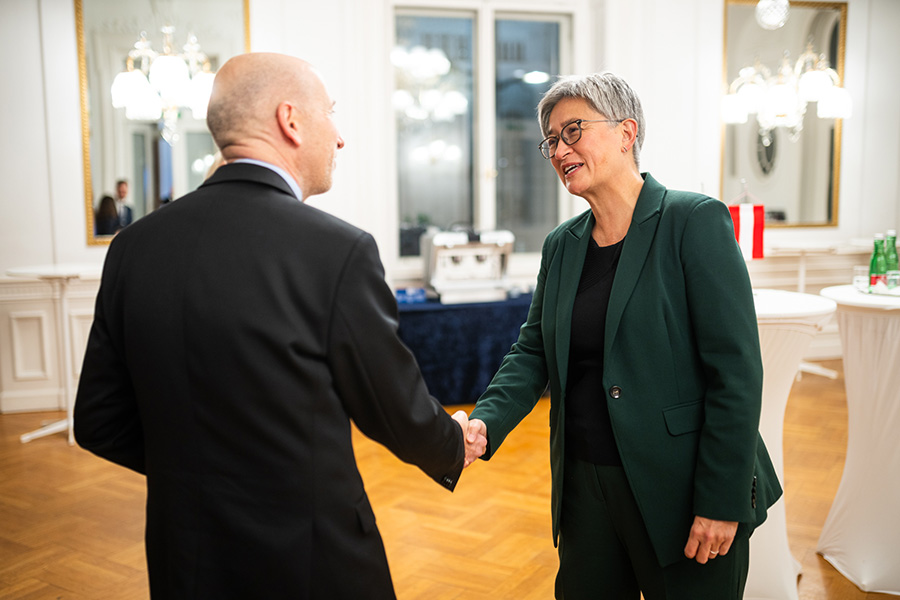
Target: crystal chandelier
{"type": "Point", "coordinates": [164, 83]}
{"type": "Point", "coordinates": [781, 100]}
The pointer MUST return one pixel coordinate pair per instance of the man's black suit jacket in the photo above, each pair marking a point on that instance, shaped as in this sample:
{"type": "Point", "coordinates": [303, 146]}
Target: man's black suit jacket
{"type": "Point", "coordinates": [237, 331]}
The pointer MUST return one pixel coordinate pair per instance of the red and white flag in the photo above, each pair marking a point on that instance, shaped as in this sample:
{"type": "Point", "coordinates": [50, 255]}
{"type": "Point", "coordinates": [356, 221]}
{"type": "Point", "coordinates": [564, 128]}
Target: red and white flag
{"type": "Point", "coordinates": [748, 228]}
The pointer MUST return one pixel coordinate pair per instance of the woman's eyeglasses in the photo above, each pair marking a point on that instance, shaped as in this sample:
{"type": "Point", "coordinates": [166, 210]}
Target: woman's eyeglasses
{"type": "Point", "coordinates": [570, 134]}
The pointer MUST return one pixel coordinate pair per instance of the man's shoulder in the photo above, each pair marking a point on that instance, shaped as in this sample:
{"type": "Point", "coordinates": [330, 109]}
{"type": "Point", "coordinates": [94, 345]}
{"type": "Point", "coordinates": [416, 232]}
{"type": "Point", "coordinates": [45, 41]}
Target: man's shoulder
{"type": "Point", "coordinates": [327, 221]}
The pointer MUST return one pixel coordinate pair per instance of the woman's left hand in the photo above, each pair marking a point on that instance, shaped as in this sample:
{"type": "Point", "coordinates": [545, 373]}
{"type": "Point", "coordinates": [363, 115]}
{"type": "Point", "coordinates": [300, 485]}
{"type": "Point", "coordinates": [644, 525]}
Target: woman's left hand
{"type": "Point", "coordinates": [709, 539]}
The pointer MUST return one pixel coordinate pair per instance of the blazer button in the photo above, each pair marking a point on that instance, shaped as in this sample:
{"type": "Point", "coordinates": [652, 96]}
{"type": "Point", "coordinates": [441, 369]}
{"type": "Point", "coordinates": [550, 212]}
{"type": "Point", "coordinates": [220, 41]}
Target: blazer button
{"type": "Point", "coordinates": [615, 392]}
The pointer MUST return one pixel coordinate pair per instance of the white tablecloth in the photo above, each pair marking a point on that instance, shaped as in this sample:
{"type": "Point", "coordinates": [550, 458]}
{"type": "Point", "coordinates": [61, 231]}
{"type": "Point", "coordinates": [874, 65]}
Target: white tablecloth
{"type": "Point", "coordinates": [788, 321]}
{"type": "Point", "coordinates": [861, 536]}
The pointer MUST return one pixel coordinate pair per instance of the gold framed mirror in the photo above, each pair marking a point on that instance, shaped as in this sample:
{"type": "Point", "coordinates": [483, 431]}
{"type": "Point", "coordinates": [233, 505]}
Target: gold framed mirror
{"type": "Point", "coordinates": [159, 158]}
{"type": "Point", "coordinates": [787, 159]}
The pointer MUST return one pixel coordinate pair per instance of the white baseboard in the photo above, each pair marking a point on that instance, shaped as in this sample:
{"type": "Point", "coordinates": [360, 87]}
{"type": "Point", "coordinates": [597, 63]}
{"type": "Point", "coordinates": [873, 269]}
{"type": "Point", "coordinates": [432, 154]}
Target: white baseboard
{"type": "Point", "coordinates": [31, 401]}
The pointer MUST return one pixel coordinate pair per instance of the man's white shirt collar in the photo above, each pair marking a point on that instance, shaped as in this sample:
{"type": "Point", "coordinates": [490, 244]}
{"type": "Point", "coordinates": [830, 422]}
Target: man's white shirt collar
{"type": "Point", "coordinates": [284, 174]}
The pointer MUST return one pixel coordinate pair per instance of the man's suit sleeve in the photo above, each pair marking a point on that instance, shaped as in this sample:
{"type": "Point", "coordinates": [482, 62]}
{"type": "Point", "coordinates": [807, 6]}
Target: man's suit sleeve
{"type": "Point", "coordinates": [377, 378]}
{"type": "Point", "coordinates": [106, 415]}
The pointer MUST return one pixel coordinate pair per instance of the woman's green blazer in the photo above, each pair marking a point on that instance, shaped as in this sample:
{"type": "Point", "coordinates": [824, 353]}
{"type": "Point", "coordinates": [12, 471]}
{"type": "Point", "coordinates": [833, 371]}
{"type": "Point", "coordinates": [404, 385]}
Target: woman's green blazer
{"type": "Point", "coordinates": [682, 369]}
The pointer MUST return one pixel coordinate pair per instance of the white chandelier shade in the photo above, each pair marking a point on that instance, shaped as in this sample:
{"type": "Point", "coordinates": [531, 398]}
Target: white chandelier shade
{"type": "Point", "coordinates": [198, 93]}
{"type": "Point", "coordinates": [163, 83]}
{"type": "Point", "coordinates": [128, 88]}
{"type": "Point", "coordinates": [146, 107]}
{"type": "Point", "coordinates": [170, 79]}
{"type": "Point", "coordinates": [835, 103]}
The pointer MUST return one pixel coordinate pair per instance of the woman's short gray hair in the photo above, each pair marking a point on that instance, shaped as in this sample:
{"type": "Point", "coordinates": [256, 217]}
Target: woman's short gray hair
{"type": "Point", "coordinates": [607, 93]}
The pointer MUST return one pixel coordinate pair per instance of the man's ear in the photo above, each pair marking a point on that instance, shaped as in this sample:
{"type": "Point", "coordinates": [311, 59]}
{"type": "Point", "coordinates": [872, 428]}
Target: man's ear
{"type": "Point", "coordinates": [288, 117]}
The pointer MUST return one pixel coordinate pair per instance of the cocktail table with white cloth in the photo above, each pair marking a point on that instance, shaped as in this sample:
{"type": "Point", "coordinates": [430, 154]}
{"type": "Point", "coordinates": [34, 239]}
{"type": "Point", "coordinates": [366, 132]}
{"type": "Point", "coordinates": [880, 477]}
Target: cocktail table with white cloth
{"type": "Point", "coordinates": [59, 276]}
{"type": "Point", "coordinates": [861, 536]}
{"type": "Point", "coordinates": [788, 321]}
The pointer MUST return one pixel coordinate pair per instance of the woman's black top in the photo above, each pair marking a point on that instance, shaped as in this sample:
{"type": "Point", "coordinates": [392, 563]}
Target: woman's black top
{"type": "Point", "coordinates": [589, 434]}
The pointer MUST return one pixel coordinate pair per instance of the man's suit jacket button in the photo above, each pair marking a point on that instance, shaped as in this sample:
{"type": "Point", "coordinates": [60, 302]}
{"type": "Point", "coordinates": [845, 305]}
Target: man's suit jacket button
{"type": "Point", "coordinates": [447, 481]}
{"type": "Point", "coordinates": [615, 392]}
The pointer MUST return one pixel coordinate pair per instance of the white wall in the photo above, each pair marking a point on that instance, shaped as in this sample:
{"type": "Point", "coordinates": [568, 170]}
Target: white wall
{"type": "Point", "coordinates": [872, 154]}
{"type": "Point", "coordinates": [26, 233]}
{"type": "Point", "coordinates": [670, 51]}
{"type": "Point", "coordinates": [42, 216]}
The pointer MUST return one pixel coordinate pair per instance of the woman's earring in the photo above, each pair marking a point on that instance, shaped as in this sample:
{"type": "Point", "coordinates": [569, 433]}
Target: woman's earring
{"type": "Point", "coordinates": [624, 149]}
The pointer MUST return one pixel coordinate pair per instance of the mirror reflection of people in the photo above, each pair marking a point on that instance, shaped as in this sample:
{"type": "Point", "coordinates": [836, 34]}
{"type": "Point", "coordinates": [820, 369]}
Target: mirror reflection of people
{"type": "Point", "coordinates": [643, 323]}
{"type": "Point", "coordinates": [236, 335]}
{"type": "Point", "coordinates": [123, 208]}
{"type": "Point", "coordinates": [106, 217]}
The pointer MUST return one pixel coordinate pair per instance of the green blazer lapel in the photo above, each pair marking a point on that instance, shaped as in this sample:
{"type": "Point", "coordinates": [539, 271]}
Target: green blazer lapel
{"type": "Point", "coordinates": [634, 253]}
{"type": "Point", "coordinates": [575, 241]}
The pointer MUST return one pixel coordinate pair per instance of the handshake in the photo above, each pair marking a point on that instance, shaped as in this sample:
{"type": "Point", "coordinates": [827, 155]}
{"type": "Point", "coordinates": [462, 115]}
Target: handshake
{"type": "Point", "coordinates": [474, 434]}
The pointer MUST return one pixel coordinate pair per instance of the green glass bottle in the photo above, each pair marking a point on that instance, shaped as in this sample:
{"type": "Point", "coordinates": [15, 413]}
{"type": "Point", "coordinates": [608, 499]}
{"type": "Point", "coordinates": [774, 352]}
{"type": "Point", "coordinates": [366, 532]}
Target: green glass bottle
{"type": "Point", "coordinates": [890, 257]}
{"type": "Point", "coordinates": [878, 266]}
{"type": "Point", "coordinates": [890, 249]}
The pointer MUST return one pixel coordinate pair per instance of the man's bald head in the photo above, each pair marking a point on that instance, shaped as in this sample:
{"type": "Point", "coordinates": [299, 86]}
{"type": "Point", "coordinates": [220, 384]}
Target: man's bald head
{"type": "Point", "coordinates": [247, 91]}
{"type": "Point", "coordinates": [275, 109]}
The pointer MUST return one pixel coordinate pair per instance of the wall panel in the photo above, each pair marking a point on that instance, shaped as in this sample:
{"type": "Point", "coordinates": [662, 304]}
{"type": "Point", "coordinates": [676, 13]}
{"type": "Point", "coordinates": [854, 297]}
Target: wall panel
{"type": "Point", "coordinates": [30, 343]}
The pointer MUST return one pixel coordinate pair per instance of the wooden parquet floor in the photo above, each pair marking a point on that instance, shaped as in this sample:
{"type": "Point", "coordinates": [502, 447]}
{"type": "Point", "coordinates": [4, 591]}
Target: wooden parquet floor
{"type": "Point", "coordinates": [71, 525]}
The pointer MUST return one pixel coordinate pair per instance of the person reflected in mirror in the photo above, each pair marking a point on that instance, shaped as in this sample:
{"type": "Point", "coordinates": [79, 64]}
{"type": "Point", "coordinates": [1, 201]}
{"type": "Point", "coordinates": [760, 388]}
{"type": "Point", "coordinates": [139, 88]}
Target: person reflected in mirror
{"type": "Point", "coordinates": [236, 335]}
{"type": "Point", "coordinates": [106, 217]}
{"type": "Point", "coordinates": [644, 325]}
{"type": "Point", "coordinates": [123, 208]}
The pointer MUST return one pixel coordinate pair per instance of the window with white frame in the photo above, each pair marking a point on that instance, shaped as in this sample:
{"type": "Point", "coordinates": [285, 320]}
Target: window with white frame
{"type": "Point", "coordinates": [466, 85]}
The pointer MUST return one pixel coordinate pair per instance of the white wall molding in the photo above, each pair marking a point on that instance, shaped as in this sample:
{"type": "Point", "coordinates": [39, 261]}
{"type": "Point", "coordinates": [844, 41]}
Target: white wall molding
{"type": "Point", "coordinates": [30, 375]}
{"type": "Point", "coordinates": [18, 291]}
{"type": "Point", "coordinates": [80, 326]}
{"type": "Point", "coordinates": [30, 342]}
{"type": "Point", "coordinates": [42, 399]}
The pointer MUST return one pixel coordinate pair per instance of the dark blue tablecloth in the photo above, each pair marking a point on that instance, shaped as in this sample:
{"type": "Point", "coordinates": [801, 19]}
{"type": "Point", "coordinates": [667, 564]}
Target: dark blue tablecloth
{"type": "Point", "coordinates": [460, 346]}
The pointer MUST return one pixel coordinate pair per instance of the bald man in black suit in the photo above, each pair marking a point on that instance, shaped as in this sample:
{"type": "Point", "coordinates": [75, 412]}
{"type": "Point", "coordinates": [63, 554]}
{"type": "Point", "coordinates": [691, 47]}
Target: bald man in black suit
{"type": "Point", "coordinates": [236, 334]}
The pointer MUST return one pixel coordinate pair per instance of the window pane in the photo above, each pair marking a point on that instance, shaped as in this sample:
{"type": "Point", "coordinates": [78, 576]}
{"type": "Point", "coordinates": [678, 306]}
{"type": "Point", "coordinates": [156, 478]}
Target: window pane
{"type": "Point", "coordinates": [527, 194]}
{"type": "Point", "coordinates": [433, 104]}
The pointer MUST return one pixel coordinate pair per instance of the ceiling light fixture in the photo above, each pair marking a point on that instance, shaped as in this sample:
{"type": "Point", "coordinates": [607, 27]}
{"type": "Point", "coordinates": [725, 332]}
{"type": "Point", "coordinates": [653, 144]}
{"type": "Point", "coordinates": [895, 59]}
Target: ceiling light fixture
{"type": "Point", "coordinates": [772, 14]}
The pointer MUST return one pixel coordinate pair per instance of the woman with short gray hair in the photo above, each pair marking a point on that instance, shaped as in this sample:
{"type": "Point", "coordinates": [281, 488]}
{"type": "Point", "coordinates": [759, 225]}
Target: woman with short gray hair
{"type": "Point", "coordinates": [643, 323]}
{"type": "Point", "coordinates": [606, 93]}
